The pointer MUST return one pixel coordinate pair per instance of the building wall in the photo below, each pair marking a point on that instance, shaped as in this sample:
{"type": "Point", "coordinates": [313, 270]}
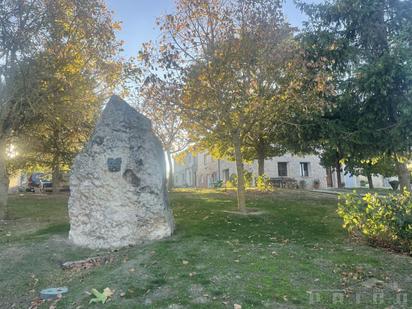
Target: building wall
{"type": "Point", "coordinates": [205, 170]}
{"type": "Point", "coordinates": [209, 170]}
{"type": "Point", "coordinates": [185, 172]}
{"type": "Point", "coordinates": [316, 171]}
{"type": "Point", "coordinates": [228, 166]}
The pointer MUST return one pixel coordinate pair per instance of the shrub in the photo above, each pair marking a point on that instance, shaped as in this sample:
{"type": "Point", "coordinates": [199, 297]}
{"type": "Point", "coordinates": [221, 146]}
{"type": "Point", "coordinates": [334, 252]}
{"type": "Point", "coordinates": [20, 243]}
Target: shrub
{"type": "Point", "coordinates": [363, 183]}
{"type": "Point", "coordinates": [394, 184]}
{"type": "Point", "coordinates": [383, 220]}
{"type": "Point", "coordinates": [218, 184]}
{"type": "Point", "coordinates": [263, 183]}
{"type": "Point", "coordinates": [316, 183]}
{"type": "Point", "coordinates": [230, 185]}
{"type": "Point", "coordinates": [302, 184]}
{"type": "Point", "coordinates": [247, 177]}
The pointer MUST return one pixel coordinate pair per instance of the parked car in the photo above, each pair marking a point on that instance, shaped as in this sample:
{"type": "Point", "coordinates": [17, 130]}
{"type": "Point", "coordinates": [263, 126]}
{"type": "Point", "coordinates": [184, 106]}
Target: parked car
{"type": "Point", "coordinates": [34, 182]}
{"type": "Point", "coordinates": [43, 182]}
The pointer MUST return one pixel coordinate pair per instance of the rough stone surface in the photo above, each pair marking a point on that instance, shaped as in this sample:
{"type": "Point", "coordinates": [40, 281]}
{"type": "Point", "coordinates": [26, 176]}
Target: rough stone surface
{"type": "Point", "coordinates": [118, 185]}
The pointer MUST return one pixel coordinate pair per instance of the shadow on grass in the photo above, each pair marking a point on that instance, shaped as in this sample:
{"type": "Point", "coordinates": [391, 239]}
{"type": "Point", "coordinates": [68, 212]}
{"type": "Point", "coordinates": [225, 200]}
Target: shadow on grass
{"type": "Point", "coordinates": [62, 228]}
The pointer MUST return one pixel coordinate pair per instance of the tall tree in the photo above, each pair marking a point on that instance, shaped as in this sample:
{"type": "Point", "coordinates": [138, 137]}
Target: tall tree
{"type": "Point", "coordinates": [266, 59]}
{"type": "Point", "coordinates": [20, 23]}
{"type": "Point", "coordinates": [211, 48]}
{"type": "Point", "coordinates": [63, 68]}
{"type": "Point", "coordinates": [80, 74]}
{"type": "Point", "coordinates": [366, 52]}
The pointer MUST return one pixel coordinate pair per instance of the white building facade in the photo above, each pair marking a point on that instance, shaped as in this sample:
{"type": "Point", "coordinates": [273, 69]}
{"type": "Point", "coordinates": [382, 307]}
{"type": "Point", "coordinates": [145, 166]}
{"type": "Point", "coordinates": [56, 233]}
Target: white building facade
{"type": "Point", "coordinates": [203, 171]}
{"type": "Point", "coordinates": [185, 175]}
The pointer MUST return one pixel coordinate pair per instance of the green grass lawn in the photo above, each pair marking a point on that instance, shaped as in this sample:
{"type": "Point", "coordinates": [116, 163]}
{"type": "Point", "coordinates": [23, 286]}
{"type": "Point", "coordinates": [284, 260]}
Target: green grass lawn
{"type": "Point", "coordinates": [215, 259]}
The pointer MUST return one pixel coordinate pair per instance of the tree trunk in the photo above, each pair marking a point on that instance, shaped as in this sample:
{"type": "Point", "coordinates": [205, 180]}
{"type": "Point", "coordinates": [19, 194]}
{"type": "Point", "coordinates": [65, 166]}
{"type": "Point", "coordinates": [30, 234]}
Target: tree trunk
{"type": "Point", "coordinates": [338, 174]}
{"type": "Point", "coordinates": [241, 200]}
{"type": "Point", "coordinates": [329, 179]}
{"type": "Point", "coordinates": [4, 181]}
{"type": "Point", "coordinates": [170, 175]}
{"type": "Point", "coordinates": [261, 161]}
{"type": "Point", "coordinates": [56, 177]}
{"type": "Point", "coordinates": [404, 176]}
{"type": "Point", "coordinates": [370, 180]}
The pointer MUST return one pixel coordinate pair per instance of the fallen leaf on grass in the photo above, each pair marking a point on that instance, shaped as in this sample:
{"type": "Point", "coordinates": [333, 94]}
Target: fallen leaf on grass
{"type": "Point", "coordinates": [185, 262]}
{"type": "Point", "coordinates": [35, 281]}
{"type": "Point", "coordinates": [108, 292]}
{"type": "Point", "coordinates": [101, 297]}
{"type": "Point", "coordinates": [35, 303]}
{"type": "Point", "coordinates": [237, 306]}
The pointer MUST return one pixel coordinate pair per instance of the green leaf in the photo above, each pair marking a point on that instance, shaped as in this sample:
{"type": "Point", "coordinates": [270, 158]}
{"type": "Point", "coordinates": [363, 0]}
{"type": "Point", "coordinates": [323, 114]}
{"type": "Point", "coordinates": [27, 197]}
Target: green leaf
{"type": "Point", "coordinates": [101, 297]}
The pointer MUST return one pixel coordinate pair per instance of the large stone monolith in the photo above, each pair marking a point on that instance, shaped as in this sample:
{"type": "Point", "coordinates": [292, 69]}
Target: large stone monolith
{"type": "Point", "coordinates": [118, 194]}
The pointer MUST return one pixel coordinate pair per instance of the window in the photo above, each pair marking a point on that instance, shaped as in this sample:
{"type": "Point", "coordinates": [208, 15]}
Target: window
{"type": "Point", "coordinates": [226, 174]}
{"type": "Point", "coordinates": [282, 169]}
{"type": "Point", "coordinates": [304, 169]}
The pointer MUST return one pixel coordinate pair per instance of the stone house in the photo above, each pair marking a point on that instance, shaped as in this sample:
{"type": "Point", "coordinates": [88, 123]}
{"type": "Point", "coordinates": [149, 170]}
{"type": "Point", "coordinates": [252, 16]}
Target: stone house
{"type": "Point", "coordinates": [203, 171]}
{"type": "Point", "coordinates": [305, 169]}
{"type": "Point", "coordinates": [185, 172]}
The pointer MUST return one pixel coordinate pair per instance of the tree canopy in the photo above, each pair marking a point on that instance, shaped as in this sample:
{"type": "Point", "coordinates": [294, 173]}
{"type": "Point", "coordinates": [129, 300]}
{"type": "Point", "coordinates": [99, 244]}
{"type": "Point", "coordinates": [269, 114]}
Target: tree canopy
{"type": "Point", "coordinates": [228, 57]}
{"type": "Point", "coordinates": [364, 52]}
{"type": "Point", "coordinates": [54, 77]}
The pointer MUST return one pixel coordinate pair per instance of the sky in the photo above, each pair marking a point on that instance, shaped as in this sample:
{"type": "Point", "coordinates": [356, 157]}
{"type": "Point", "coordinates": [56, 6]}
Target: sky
{"type": "Point", "coordinates": [138, 19]}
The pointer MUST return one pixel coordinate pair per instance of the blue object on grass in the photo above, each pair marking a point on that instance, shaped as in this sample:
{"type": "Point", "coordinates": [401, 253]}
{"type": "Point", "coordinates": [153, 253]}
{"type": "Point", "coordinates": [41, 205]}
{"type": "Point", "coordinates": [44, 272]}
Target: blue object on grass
{"type": "Point", "coordinates": [52, 293]}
